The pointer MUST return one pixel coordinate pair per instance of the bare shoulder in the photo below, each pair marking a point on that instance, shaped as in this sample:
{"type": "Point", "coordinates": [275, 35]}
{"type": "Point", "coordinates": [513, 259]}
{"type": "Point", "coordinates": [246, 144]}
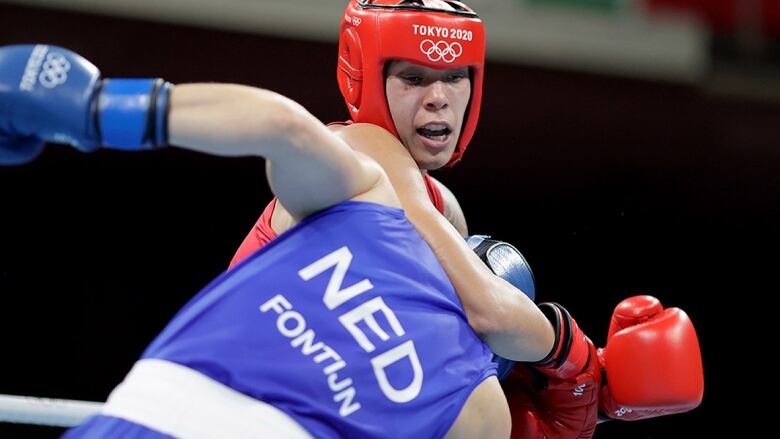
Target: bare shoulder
{"type": "Point", "coordinates": [373, 140]}
{"type": "Point", "coordinates": [363, 138]}
{"type": "Point", "coordinates": [320, 169]}
{"type": "Point", "coordinates": [485, 413]}
{"type": "Point", "coordinates": [393, 157]}
{"type": "Point", "coordinates": [452, 210]}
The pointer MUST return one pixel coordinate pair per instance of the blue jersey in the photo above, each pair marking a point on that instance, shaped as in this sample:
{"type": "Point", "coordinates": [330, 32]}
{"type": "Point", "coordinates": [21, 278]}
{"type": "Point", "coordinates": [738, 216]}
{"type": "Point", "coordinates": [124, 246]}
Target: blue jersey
{"type": "Point", "coordinates": [347, 323]}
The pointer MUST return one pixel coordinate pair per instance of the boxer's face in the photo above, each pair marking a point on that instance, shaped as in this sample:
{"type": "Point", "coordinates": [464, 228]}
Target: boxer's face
{"type": "Point", "coordinates": [428, 107]}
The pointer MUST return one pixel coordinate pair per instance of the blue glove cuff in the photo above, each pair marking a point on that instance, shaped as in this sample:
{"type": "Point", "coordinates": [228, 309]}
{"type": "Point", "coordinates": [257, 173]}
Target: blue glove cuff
{"type": "Point", "coordinates": [132, 113]}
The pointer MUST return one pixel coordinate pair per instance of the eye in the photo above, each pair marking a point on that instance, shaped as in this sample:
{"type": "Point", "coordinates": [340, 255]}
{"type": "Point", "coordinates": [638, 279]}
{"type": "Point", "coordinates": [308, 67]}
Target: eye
{"type": "Point", "coordinates": [412, 79]}
{"type": "Point", "coordinates": [455, 77]}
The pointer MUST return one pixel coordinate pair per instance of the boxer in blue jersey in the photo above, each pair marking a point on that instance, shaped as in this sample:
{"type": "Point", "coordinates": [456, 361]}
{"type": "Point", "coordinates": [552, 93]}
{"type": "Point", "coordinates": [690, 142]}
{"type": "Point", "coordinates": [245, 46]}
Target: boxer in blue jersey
{"type": "Point", "coordinates": [347, 326]}
{"type": "Point", "coordinates": [343, 337]}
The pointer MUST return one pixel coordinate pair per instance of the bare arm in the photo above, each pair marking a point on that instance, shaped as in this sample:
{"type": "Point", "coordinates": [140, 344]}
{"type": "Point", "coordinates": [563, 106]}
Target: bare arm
{"type": "Point", "coordinates": [308, 167]}
{"type": "Point", "coordinates": [452, 209]}
{"type": "Point", "coordinates": [503, 317]}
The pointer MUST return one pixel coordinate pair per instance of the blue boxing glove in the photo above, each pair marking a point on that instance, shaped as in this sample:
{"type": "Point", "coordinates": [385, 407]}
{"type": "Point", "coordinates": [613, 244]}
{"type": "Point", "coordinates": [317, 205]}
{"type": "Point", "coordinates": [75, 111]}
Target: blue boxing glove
{"type": "Point", "coordinates": [509, 264]}
{"type": "Point", "coordinates": [50, 94]}
{"type": "Point", "coordinates": [505, 261]}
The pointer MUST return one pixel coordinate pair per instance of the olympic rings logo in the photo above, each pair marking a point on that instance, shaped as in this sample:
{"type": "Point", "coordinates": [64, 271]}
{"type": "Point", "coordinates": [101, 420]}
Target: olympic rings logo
{"type": "Point", "coordinates": [441, 50]}
{"type": "Point", "coordinates": [54, 71]}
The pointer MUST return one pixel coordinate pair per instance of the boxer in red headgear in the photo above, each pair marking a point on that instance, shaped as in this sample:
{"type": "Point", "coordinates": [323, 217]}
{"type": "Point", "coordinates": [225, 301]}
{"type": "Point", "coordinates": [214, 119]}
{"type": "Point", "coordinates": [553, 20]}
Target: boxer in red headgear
{"type": "Point", "coordinates": [439, 35]}
{"type": "Point", "coordinates": [414, 68]}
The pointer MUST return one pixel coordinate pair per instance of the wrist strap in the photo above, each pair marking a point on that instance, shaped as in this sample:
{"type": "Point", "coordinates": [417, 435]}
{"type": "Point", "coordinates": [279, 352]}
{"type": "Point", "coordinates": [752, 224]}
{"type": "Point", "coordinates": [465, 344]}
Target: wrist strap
{"type": "Point", "coordinates": [561, 321]}
{"type": "Point", "coordinates": [133, 113]}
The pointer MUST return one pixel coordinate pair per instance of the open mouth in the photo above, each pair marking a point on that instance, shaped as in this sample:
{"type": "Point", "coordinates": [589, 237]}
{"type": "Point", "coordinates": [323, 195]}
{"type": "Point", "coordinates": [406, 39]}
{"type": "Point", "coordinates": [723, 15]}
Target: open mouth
{"type": "Point", "coordinates": [435, 131]}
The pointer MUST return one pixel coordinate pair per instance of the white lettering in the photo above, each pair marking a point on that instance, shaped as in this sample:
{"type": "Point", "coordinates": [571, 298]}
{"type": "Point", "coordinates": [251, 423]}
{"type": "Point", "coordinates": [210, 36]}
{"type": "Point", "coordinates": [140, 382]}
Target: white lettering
{"type": "Point", "coordinates": [336, 386]}
{"type": "Point", "coordinates": [365, 312]}
{"type": "Point", "coordinates": [300, 324]}
{"type": "Point", "coordinates": [274, 303]}
{"type": "Point", "coordinates": [335, 367]}
{"type": "Point", "coordinates": [327, 352]}
{"type": "Point", "coordinates": [30, 75]}
{"type": "Point", "coordinates": [347, 407]}
{"type": "Point", "coordinates": [334, 294]}
{"type": "Point", "coordinates": [305, 339]}
{"type": "Point", "coordinates": [381, 361]}
{"type": "Point", "coordinates": [338, 263]}
{"type": "Point", "coordinates": [442, 32]}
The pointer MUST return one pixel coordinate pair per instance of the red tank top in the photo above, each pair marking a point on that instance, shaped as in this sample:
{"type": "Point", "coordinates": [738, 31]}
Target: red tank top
{"type": "Point", "coordinates": [262, 233]}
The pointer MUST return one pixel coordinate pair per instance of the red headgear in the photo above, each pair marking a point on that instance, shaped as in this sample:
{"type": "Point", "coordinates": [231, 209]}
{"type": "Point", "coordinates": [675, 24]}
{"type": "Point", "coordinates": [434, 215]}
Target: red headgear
{"type": "Point", "coordinates": [440, 34]}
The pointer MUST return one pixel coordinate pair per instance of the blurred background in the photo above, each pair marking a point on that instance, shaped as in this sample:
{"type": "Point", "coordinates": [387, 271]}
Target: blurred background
{"type": "Point", "coordinates": [625, 147]}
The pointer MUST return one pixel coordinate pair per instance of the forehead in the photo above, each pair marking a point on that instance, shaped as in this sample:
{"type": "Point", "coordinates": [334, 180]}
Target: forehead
{"type": "Point", "coordinates": [397, 66]}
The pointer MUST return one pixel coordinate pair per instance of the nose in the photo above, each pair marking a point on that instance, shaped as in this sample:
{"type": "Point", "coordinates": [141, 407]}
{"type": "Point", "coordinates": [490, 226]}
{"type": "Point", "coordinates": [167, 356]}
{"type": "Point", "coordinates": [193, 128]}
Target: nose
{"type": "Point", "coordinates": [436, 96]}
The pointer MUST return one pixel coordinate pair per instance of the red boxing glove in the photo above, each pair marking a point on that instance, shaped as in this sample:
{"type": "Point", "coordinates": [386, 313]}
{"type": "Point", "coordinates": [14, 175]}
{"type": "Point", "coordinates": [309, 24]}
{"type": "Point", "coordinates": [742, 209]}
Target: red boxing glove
{"type": "Point", "coordinates": [652, 361]}
{"type": "Point", "coordinates": [557, 398]}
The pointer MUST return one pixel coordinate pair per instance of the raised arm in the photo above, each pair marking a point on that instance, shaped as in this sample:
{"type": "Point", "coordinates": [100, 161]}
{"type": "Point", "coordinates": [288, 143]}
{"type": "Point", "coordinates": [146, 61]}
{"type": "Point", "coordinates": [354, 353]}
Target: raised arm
{"type": "Point", "coordinates": [50, 94]}
{"type": "Point", "coordinates": [509, 322]}
{"type": "Point", "coordinates": [308, 167]}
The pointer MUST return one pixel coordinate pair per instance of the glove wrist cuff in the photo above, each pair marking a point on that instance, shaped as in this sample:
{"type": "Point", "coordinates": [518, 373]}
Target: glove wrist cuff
{"type": "Point", "coordinates": [571, 351]}
{"type": "Point", "coordinates": [560, 320]}
{"type": "Point", "coordinates": [132, 113]}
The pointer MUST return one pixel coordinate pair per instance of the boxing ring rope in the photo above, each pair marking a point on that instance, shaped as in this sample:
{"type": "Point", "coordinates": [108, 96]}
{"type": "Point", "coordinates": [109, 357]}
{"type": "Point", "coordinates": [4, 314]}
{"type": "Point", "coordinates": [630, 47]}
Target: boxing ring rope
{"type": "Point", "coordinates": [46, 411]}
